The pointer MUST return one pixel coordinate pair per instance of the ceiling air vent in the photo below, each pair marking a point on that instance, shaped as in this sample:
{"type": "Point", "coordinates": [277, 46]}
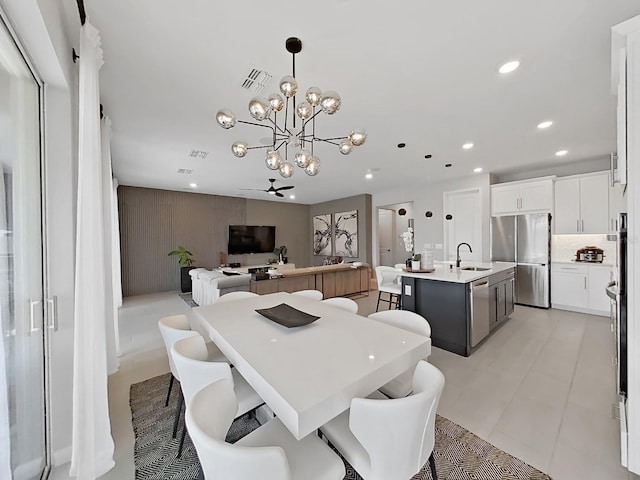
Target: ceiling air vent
{"type": "Point", "coordinates": [186, 171]}
{"type": "Point", "coordinates": [198, 154]}
{"type": "Point", "coordinates": [256, 80]}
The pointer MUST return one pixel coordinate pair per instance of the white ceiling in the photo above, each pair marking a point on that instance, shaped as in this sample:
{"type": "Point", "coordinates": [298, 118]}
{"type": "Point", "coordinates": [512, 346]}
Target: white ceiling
{"type": "Point", "coordinates": [419, 72]}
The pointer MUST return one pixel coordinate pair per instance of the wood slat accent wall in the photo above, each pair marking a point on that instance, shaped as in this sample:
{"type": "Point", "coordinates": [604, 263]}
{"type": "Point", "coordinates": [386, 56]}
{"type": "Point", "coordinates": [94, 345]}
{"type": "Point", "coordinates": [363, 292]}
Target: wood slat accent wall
{"type": "Point", "coordinates": [154, 222]}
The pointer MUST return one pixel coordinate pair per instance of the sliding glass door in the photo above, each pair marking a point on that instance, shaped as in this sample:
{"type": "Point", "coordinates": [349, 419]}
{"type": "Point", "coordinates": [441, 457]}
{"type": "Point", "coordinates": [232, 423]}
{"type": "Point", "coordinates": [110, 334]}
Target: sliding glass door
{"type": "Point", "coordinates": [23, 446]}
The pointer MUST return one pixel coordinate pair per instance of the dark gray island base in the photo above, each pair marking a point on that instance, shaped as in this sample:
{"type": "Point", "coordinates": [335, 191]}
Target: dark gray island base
{"type": "Point", "coordinates": [462, 308]}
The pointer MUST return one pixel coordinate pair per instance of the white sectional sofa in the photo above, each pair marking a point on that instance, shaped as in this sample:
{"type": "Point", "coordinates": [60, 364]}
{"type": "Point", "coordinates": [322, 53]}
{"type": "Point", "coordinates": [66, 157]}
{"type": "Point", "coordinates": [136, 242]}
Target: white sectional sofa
{"type": "Point", "coordinates": [209, 285]}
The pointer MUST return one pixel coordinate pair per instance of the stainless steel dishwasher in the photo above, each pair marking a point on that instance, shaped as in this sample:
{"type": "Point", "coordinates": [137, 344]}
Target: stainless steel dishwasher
{"type": "Point", "coordinates": [480, 324]}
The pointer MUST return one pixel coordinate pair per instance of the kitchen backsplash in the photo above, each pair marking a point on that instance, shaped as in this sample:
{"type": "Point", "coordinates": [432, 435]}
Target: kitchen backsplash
{"type": "Point", "coordinates": [563, 247]}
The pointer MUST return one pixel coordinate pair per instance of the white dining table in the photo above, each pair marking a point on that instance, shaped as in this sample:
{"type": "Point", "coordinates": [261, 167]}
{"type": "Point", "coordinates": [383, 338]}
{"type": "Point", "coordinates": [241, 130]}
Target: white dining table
{"type": "Point", "coordinates": [308, 375]}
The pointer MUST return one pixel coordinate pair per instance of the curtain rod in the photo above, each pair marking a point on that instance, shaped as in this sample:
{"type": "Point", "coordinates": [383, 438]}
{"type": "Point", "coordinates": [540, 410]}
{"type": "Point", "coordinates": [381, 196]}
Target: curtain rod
{"type": "Point", "coordinates": [81, 11]}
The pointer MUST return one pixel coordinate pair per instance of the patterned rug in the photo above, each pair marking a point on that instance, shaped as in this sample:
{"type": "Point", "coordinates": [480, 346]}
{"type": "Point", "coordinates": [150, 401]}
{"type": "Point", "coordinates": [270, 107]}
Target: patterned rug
{"type": "Point", "coordinates": [459, 454]}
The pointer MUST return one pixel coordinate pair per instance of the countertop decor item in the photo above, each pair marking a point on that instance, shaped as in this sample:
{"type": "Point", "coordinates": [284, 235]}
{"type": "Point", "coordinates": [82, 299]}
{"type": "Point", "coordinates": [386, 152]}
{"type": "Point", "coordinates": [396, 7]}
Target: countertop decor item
{"type": "Point", "coordinates": [287, 316]}
{"type": "Point", "coordinates": [296, 127]}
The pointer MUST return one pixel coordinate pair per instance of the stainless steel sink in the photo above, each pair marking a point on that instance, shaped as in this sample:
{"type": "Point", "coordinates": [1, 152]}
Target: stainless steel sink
{"type": "Point", "coordinates": [476, 269]}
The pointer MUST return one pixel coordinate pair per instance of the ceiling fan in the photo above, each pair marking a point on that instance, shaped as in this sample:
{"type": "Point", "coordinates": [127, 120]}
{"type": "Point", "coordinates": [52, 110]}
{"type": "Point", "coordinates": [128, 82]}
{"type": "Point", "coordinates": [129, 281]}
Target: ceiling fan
{"type": "Point", "coordinates": [272, 190]}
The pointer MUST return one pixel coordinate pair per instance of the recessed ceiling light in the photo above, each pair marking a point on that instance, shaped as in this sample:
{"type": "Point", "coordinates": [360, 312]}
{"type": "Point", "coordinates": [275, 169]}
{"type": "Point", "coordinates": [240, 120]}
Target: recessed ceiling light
{"type": "Point", "coordinates": [428, 156]}
{"type": "Point", "coordinates": [561, 153]}
{"type": "Point", "coordinates": [477, 170]}
{"type": "Point", "coordinates": [467, 146]}
{"type": "Point", "coordinates": [509, 66]}
{"type": "Point", "coordinates": [402, 145]}
{"type": "Point", "coordinates": [292, 197]}
{"type": "Point", "coordinates": [447, 165]}
{"type": "Point", "coordinates": [369, 176]}
{"type": "Point", "coordinates": [545, 124]}
{"type": "Point", "coordinates": [193, 185]}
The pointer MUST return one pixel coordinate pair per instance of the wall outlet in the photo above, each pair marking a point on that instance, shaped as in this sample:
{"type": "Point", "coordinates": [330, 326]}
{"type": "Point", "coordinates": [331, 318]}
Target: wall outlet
{"type": "Point", "coordinates": [438, 246]}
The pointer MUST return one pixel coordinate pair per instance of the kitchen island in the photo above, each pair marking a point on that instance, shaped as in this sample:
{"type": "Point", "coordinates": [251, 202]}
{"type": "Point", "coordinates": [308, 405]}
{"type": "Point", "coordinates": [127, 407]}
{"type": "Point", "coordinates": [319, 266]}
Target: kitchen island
{"type": "Point", "coordinates": [463, 306]}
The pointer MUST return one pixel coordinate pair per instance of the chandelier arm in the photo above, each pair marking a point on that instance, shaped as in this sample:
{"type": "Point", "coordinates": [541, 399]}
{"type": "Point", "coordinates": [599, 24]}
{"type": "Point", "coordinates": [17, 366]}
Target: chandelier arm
{"type": "Point", "coordinates": [312, 118]}
{"type": "Point", "coordinates": [256, 124]}
{"type": "Point", "coordinates": [261, 146]}
{"type": "Point", "coordinates": [275, 124]}
{"type": "Point", "coordinates": [329, 140]}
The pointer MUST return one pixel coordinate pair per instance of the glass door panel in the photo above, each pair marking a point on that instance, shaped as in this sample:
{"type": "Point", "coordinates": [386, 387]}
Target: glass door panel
{"type": "Point", "coordinates": [22, 366]}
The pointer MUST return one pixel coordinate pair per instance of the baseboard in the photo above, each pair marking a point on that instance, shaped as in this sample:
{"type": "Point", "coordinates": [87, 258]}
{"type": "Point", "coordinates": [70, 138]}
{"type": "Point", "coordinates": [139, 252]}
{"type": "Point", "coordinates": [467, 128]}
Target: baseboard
{"type": "Point", "coordinates": [61, 456]}
{"type": "Point", "coordinates": [571, 308]}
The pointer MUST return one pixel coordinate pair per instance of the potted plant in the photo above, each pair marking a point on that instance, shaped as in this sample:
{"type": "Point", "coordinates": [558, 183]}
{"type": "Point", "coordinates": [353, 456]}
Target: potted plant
{"type": "Point", "coordinates": [281, 252]}
{"type": "Point", "coordinates": [415, 261]}
{"type": "Point", "coordinates": [185, 261]}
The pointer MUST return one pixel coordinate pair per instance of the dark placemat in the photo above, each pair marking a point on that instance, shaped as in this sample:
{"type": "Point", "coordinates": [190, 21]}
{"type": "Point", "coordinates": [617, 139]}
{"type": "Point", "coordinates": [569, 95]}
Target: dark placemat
{"type": "Point", "coordinates": [287, 316]}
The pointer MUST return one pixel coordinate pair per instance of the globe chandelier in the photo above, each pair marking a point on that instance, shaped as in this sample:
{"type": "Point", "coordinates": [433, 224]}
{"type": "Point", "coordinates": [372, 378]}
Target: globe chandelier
{"type": "Point", "coordinates": [287, 133]}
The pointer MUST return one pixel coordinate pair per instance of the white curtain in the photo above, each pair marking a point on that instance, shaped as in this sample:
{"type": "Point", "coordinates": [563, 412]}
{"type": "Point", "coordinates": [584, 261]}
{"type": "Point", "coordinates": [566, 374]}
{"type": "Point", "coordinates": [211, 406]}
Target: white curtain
{"type": "Point", "coordinates": [117, 272]}
{"type": "Point", "coordinates": [111, 309]}
{"type": "Point", "coordinates": [5, 431]}
{"type": "Point", "coordinates": [92, 445]}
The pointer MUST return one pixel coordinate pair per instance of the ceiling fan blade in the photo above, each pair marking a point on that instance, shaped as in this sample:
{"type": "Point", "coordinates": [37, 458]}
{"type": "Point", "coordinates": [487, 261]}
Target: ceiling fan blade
{"type": "Point", "coordinates": [286, 187]}
{"type": "Point", "coordinates": [253, 189]}
{"type": "Point", "coordinates": [278, 194]}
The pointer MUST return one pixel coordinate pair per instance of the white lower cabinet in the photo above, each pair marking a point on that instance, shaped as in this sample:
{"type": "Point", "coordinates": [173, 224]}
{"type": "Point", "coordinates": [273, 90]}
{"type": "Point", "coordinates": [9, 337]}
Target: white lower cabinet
{"type": "Point", "coordinates": [580, 287]}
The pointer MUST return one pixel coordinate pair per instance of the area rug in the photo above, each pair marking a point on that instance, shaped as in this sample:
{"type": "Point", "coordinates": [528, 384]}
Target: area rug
{"type": "Point", "coordinates": [459, 454]}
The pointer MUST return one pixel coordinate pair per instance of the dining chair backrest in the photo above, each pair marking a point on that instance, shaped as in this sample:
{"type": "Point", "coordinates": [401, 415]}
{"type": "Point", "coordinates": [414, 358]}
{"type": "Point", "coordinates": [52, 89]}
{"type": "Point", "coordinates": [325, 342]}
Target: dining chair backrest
{"type": "Point", "coordinates": [404, 319]}
{"type": "Point", "coordinates": [398, 434]}
{"type": "Point", "coordinates": [386, 276]}
{"type": "Point", "coordinates": [312, 294]}
{"type": "Point", "coordinates": [172, 329]}
{"type": "Point", "coordinates": [343, 303]}
{"type": "Point", "coordinates": [399, 266]}
{"type": "Point", "coordinates": [190, 358]}
{"type": "Point", "coordinates": [233, 296]}
{"type": "Point", "coordinates": [209, 416]}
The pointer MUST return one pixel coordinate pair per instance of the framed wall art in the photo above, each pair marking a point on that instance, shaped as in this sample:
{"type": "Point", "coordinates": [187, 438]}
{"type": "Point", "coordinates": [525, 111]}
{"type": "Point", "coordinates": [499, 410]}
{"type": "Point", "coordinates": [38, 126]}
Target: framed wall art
{"type": "Point", "coordinates": [346, 233]}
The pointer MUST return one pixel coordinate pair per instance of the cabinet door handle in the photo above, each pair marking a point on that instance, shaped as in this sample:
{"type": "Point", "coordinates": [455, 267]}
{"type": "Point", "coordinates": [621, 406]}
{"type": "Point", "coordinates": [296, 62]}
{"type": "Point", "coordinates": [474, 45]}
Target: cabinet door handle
{"type": "Point", "coordinates": [582, 226]}
{"type": "Point", "coordinates": [53, 303]}
{"type": "Point", "coordinates": [578, 225]}
{"type": "Point", "coordinates": [585, 283]}
{"type": "Point", "coordinates": [31, 327]}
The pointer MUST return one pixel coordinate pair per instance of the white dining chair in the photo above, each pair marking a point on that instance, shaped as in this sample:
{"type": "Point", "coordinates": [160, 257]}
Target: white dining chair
{"type": "Point", "coordinates": [190, 358]}
{"type": "Point", "coordinates": [312, 294]}
{"type": "Point", "coordinates": [233, 296]}
{"type": "Point", "coordinates": [343, 303]}
{"type": "Point", "coordinates": [402, 385]}
{"type": "Point", "coordinates": [172, 329]}
{"type": "Point", "coordinates": [399, 266]}
{"type": "Point", "coordinates": [387, 278]}
{"type": "Point", "coordinates": [269, 452]}
{"type": "Point", "coordinates": [390, 439]}
{"type": "Point", "coordinates": [196, 284]}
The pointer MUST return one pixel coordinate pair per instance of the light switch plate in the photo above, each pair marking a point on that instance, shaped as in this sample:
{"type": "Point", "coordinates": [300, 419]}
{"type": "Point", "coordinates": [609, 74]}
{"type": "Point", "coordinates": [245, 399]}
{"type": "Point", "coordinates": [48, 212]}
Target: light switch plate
{"type": "Point", "coordinates": [407, 290]}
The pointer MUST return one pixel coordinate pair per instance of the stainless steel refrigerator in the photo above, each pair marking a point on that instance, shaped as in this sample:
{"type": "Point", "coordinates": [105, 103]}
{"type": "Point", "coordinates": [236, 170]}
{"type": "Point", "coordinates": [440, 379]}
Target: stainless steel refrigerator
{"type": "Point", "coordinates": [526, 240]}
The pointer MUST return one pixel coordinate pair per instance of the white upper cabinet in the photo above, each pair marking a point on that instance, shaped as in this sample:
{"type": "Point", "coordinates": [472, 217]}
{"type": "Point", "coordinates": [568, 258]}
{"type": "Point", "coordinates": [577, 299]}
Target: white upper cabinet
{"type": "Point", "coordinates": [582, 204]}
{"type": "Point", "coordinates": [516, 198]}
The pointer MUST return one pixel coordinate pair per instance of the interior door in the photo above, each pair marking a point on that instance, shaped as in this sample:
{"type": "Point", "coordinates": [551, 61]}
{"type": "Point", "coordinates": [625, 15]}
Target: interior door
{"type": "Point", "coordinates": [21, 271]}
{"type": "Point", "coordinates": [385, 236]}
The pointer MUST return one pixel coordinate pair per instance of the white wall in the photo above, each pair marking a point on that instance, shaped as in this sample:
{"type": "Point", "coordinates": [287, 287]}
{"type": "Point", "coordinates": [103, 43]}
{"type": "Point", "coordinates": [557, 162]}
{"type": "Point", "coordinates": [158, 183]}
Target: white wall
{"type": "Point", "coordinates": [429, 197]}
{"type": "Point", "coordinates": [44, 28]}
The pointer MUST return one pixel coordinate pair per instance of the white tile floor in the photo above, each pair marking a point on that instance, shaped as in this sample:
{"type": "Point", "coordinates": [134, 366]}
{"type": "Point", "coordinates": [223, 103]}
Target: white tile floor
{"type": "Point", "coordinates": [540, 388]}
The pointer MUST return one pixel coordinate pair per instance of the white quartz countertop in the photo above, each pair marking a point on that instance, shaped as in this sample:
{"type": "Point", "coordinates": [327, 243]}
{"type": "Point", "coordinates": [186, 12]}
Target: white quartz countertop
{"type": "Point", "coordinates": [445, 274]}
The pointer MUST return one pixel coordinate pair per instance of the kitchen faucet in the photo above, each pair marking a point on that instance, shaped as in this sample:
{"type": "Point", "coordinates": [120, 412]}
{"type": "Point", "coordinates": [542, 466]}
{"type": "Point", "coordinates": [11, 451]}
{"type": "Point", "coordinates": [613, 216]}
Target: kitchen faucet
{"type": "Point", "coordinates": [458, 260]}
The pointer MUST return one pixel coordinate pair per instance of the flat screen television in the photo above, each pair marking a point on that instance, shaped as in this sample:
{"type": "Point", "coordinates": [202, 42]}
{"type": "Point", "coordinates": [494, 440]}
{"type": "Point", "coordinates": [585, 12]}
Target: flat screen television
{"type": "Point", "coordinates": [245, 239]}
